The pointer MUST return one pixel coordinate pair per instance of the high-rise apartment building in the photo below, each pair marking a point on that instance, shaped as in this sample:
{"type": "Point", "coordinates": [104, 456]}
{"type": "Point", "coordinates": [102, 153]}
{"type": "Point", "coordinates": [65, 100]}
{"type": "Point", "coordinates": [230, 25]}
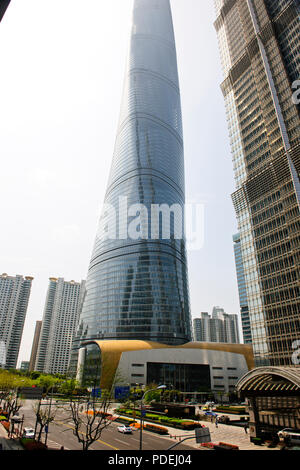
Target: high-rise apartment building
{"type": "Point", "coordinates": [259, 45]}
{"type": "Point", "coordinates": [137, 286]}
{"type": "Point", "coordinates": [14, 298]}
{"type": "Point", "coordinates": [240, 272]}
{"type": "Point", "coordinates": [35, 343]}
{"type": "Point", "coordinates": [62, 308]}
{"type": "Point", "coordinates": [220, 327]}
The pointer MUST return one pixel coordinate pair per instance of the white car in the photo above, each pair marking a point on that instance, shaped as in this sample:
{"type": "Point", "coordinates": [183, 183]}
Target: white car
{"type": "Point", "coordinates": [290, 435]}
{"type": "Point", "coordinates": [28, 433]}
{"type": "Point", "coordinates": [125, 429]}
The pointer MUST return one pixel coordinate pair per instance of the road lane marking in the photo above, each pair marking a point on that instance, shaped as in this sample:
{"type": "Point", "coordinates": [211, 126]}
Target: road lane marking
{"type": "Point", "coordinates": [122, 442]}
{"type": "Point", "coordinates": [98, 440]}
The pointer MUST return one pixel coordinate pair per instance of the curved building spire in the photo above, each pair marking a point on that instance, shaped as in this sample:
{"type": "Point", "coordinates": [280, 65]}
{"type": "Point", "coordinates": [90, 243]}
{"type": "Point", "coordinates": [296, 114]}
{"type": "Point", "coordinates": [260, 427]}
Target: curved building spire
{"type": "Point", "coordinates": [137, 284]}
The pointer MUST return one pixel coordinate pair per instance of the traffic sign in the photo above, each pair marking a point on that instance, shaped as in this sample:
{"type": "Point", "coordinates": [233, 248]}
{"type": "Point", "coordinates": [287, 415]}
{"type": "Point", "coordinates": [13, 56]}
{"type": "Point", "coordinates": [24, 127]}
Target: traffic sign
{"type": "Point", "coordinates": [202, 435]}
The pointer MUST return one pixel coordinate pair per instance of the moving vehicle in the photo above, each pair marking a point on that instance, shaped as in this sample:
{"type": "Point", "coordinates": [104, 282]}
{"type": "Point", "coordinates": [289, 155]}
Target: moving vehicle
{"type": "Point", "coordinates": [125, 429]}
{"type": "Point", "coordinates": [291, 436]}
{"type": "Point", "coordinates": [28, 433]}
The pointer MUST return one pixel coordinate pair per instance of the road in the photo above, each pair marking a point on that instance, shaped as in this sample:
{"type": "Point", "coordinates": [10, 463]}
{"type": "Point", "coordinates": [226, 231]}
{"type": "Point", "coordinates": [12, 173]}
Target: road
{"type": "Point", "coordinates": [60, 434]}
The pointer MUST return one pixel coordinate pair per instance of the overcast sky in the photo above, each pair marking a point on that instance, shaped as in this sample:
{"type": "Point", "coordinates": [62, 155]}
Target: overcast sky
{"type": "Point", "coordinates": [62, 66]}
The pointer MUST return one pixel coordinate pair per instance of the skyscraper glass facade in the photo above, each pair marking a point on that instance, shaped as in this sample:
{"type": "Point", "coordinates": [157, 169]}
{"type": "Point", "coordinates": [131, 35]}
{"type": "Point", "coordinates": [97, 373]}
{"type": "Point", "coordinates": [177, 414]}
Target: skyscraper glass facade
{"type": "Point", "coordinates": [259, 44]}
{"type": "Point", "coordinates": [240, 273]}
{"type": "Point", "coordinates": [137, 285]}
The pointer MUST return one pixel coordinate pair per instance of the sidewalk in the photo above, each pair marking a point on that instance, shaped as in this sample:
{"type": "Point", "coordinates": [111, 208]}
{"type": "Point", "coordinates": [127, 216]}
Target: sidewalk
{"type": "Point", "coordinates": [8, 444]}
{"type": "Point", "coordinates": [223, 433]}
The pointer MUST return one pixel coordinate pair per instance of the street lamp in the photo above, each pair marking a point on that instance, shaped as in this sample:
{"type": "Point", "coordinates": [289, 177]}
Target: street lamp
{"type": "Point", "coordinates": [134, 397]}
{"type": "Point", "coordinates": [141, 418]}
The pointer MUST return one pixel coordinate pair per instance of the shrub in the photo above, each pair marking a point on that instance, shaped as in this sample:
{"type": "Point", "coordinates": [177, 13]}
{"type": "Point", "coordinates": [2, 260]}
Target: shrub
{"type": "Point", "coordinates": [157, 429]}
{"type": "Point", "coordinates": [30, 444]}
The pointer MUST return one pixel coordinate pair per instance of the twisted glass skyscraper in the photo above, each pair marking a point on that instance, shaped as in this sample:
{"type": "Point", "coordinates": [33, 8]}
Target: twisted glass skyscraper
{"type": "Point", "coordinates": [137, 284]}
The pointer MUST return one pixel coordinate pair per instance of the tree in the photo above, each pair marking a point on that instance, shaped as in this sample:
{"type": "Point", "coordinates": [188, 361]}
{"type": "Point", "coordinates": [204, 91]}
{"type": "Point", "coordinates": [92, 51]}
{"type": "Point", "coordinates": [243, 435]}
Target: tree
{"type": "Point", "coordinates": [90, 417]}
{"type": "Point", "coordinates": [44, 416]}
{"type": "Point", "coordinates": [47, 382]}
{"type": "Point", "coordinates": [9, 385]}
{"type": "Point", "coordinates": [13, 404]}
{"type": "Point", "coordinates": [68, 387]}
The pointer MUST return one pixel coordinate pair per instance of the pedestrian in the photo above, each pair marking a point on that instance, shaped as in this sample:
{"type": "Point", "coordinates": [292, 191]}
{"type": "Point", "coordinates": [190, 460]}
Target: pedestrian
{"type": "Point", "coordinates": [216, 421]}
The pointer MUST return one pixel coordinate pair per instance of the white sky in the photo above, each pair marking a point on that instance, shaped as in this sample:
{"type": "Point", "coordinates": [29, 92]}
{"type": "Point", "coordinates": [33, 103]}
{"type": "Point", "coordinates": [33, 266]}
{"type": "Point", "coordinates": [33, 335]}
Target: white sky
{"type": "Point", "coordinates": [61, 75]}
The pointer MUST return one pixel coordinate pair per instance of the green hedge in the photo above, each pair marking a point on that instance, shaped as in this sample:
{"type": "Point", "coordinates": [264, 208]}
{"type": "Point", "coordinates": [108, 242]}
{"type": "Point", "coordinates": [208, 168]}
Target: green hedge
{"type": "Point", "coordinates": [174, 422]}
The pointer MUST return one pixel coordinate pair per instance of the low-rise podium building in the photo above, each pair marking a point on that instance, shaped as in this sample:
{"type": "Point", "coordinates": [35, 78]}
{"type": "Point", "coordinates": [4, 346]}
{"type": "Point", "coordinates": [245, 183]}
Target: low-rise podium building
{"type": "Point", "coordinates": [189, 367]}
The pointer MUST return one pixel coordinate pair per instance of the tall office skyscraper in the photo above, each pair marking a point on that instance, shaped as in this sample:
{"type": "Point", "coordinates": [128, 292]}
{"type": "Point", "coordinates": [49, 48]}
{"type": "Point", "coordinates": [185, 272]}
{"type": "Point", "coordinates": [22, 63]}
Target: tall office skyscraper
{"type": "Point", "coordinates": [220, 327]}
{"type": "Point", "coordinates": [240, 272]}
{"type": "Point", "coordinates": [14, 297]}
{"type": "Point", "coordinates": [62, 308]}
{"type": "Point", "coordinates": [137, 286]}
{"type": "Point", "coordinates": [259, 44]}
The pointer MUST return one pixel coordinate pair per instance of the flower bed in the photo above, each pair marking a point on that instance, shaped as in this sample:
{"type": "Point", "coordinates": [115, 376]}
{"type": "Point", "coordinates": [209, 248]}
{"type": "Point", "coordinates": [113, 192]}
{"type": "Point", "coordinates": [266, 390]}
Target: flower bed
{"type": "Point", "coordinates": [208, 445]}
{"type": "Point", "coordinates": [123, 420]}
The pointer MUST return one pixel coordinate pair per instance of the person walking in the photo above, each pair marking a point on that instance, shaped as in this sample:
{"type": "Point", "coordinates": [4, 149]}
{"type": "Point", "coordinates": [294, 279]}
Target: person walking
{"type": "Point", "coordinates": [216, 421]}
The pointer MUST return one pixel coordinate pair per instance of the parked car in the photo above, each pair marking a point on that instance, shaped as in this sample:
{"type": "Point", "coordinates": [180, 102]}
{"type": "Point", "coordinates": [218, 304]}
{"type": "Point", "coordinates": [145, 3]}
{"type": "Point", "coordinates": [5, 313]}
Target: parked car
{"type": "Point", "coordinates": [290, 436]}
{"type": "Point", "coordinates": [28, 433]}
{"type": "Point", "coordinates": [125, 429]}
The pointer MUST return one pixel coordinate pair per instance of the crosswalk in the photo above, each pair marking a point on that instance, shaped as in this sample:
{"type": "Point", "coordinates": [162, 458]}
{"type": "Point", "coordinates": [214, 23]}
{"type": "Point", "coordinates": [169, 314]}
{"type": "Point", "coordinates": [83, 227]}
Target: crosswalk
{"type": "Point", "coordinates": [55, 446]}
